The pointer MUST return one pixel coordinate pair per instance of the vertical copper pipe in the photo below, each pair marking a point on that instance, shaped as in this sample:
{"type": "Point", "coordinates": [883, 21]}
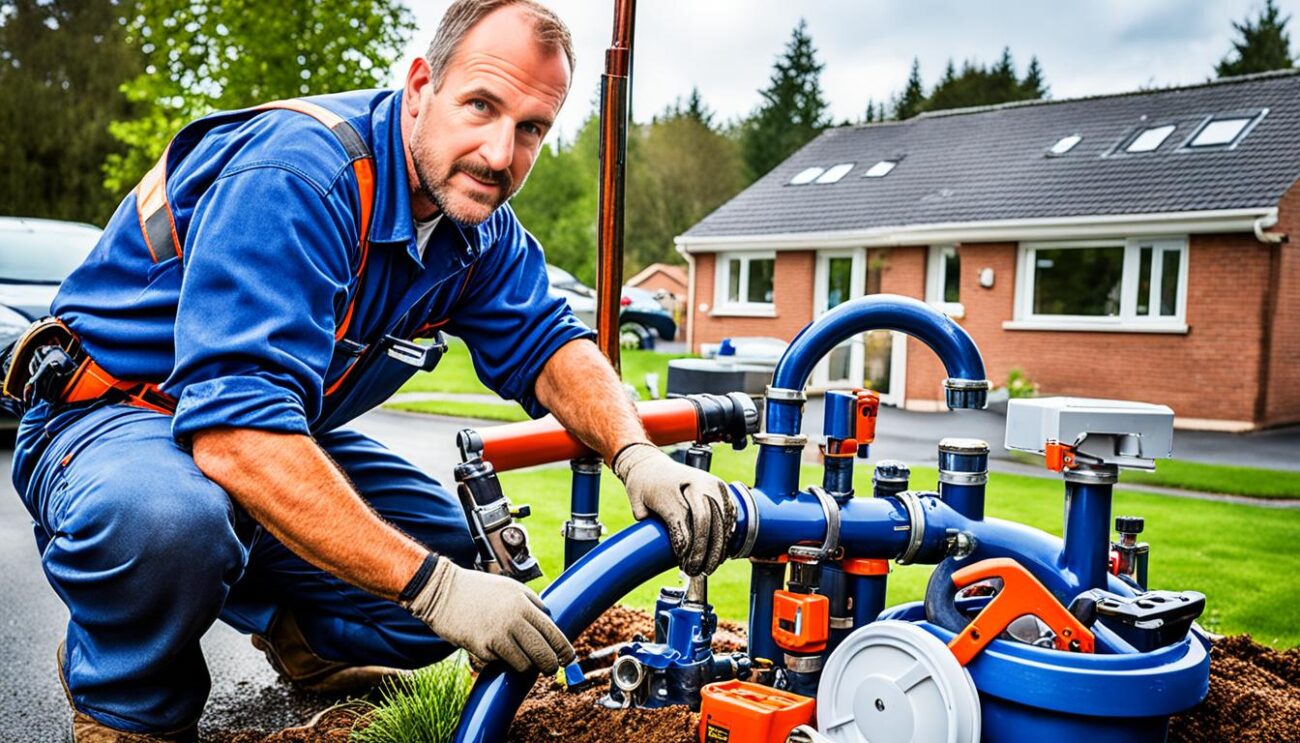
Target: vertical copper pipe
{"type": "Point", "coordinates": [614, 92]}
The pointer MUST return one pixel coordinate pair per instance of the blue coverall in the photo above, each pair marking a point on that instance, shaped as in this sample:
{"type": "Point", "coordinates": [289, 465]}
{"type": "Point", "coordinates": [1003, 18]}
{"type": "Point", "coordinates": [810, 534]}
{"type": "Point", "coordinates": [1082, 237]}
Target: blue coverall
{"type": "Point", "coordinates": [147, 552]}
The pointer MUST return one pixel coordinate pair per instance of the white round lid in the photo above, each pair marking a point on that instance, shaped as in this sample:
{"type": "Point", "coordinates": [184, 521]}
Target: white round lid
{"type": "Point", "coordinates": [893, 682]}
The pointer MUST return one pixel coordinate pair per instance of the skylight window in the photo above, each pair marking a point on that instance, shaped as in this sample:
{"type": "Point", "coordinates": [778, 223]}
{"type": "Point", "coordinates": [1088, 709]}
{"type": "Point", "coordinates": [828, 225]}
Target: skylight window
{"type": "Point", "coordinates": [880, 169]}
{"type": "Point", "coordinates": [834, 173]}
{"type": "Point", "coordinates": [1150, 139]}
{"type": "Point", "coordinates": [1220, 132]}
{"type": "Point", "coordinates": [806, 176]}
{"type": "Point", "coordinates": [1065, 144]}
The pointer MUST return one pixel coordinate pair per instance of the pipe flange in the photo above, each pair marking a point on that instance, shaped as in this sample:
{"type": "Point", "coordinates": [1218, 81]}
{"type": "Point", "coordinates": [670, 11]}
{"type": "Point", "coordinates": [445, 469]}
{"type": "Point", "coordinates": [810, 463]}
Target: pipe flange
{"type": "Point", "coordinates": [751, 518]}
{"type": "Point", "coordinates": [916, 523]}
{"type": "Point", "coordinates": [1106, 474]}
{"type": "Point", "coordinates": [953, 477]}
{"type": "Point", "coordinates": [803, 663]}
{"type": "Point", "coordinates": [780, 439]}
{"type": "Point", "coordinates": [582, 529]}
{"type": "Point", "coordinates": [841, 622]}
{"type": "Point", "coordinates": [784, 395]}
{"type": "Point", "coordinates": [585, 465]}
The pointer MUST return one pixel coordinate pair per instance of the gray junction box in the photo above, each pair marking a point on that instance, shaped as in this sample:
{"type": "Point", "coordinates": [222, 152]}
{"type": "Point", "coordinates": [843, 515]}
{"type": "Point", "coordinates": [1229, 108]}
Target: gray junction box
{"type": "Point", "coordinates": [1117, 432]}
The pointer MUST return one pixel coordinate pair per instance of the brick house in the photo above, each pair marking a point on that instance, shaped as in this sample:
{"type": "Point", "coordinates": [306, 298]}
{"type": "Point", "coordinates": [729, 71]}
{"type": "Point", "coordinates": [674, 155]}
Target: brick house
{"type": "Point", "coordinates": [1128, 246]}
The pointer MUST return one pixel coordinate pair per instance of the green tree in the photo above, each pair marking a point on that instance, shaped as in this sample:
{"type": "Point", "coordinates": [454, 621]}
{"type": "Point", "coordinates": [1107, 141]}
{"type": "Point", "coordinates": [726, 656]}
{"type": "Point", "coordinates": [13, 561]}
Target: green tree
{"type": "Point", "coordinates": [679, 170]}
{"type": "Point", "coordinates": [793, 110]}
{"type": "Point", "coordinates": [912, 100]}
{"type": "Point", "coordinates": [61, 64]}
{"type": "Point", "coordinates": [204, 56]}
{"type": "Point", "coordinates": [558, 204]}
{"type": "Point", "coordinates": [1262, 45]}
{"type": "Point", "coordinates": [978, 85]}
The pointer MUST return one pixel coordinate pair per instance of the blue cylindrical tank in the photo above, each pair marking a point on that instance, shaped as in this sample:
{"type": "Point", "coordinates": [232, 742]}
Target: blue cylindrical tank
{"type": "Point", "coordinates": [1031, 693]}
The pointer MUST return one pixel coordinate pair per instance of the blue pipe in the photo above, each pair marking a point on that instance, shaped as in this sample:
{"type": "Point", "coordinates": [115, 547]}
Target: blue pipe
{"type": "Point", "coordinates": [584, 510]}
{"type": "Point", "coordinates": [765, 578]}
{"type": "Point", "coordinates": [868, 592]}
{"type": "Point", "coordinates": [946, 338]}
{"type": "Point", "coordinates": [1087, 532]}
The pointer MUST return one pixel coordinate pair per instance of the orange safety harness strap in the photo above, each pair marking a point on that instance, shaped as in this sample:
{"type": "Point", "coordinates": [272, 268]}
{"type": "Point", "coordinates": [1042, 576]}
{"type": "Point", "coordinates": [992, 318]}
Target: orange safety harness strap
{"type": "Point", "coordinates": [158, 225]}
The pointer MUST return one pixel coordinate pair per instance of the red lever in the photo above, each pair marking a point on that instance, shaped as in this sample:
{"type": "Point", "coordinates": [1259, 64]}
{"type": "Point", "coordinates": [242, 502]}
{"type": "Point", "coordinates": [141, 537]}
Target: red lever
{"type": "Point", "coordinates": [1021, 594]}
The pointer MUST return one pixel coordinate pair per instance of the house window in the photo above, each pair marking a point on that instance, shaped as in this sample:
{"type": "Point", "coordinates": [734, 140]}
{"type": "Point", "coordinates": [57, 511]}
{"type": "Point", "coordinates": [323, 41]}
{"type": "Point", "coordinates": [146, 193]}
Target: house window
{"type": "Point", "coordinates": [880, 169]}
{"type": "Point", "coordinates": [1136, 284]}
{"type": "Point", "coordinates": [745, 283]}
{"type": "Point", "coordinates": [1223, 132]}
{"type": "Point", "coordinates": [806, 176]}
{"type": "Point", "coordinates": [835, 173]}
{"type": "Point", "coordinates": [943, 280]}
{"type": "Point", "coordinates": [1150, 139]}
{"type": "Point", "coordinates": [1064, 145]}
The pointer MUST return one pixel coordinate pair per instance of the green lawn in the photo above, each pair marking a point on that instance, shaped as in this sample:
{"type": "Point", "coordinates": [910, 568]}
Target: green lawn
{"type": "Point", "coordinates": [504, 411]}
{"type": "Point", "coordinates": [455, 373]}
{"type": "Point", "coordinates": [1207, 478]}
{"type": "Point", "coordinates": [1242, 557]}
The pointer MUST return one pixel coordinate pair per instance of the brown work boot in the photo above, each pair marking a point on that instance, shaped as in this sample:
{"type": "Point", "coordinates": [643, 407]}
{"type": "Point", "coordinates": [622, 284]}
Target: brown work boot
{"type": "Point", "coordinates": [86, 729]}
{"type": "Point", "coordinates": [290, 656]}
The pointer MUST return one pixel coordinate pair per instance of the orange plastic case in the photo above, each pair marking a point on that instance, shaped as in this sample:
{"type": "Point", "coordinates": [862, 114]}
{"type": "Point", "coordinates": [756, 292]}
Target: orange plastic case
{"type": "Point", "coordinates": [800, 621]}
{"type": "Point", "coordinates": [745, 712]}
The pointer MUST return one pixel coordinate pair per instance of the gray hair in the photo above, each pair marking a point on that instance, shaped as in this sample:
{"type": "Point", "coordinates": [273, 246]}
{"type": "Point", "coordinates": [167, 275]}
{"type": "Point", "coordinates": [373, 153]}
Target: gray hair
{"type": "Point", "coordinates": [463, 15]}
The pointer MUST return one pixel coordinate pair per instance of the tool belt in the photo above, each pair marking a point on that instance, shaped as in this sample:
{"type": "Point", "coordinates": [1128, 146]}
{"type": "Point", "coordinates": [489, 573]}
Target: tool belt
{"type": "Point", "coordinates": [49, 363]}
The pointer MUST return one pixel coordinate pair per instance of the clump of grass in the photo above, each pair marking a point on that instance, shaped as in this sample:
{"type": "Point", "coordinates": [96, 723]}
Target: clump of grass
{"type": "Point", "coordinates": [421, 708]}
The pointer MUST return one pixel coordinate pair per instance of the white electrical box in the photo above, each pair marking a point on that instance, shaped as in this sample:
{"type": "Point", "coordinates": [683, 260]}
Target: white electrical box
{"type": "Point", "coordinates": [1116, 432]}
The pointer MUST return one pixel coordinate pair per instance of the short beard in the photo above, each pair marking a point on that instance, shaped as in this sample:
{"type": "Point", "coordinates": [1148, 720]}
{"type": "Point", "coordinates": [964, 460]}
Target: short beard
{"type": "Point", "coordinates": [438, 190]}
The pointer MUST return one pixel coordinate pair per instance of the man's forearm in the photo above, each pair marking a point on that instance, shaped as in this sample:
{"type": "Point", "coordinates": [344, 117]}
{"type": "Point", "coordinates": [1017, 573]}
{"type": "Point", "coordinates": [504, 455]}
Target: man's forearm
{"type": "Point", "coordinates": [289, 485]}
{"type": "Point", "coordinates": [580, 388]}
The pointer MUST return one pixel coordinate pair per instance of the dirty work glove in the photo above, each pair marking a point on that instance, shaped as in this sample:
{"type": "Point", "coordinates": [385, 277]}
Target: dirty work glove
{"type": "Point", "coordinates": [694, 505]}
{"type": "Point", "coordinates": [491, 616]}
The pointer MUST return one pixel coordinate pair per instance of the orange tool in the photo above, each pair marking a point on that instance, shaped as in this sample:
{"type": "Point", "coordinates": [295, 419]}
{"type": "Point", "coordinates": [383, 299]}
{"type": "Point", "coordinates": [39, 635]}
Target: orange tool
{"type": "Point", "coordinates": [1059, 456]}
{"type": "Point", "coordinates": [864, 566]}
{"type": "Point", "coordinates": [868, 406]}
{"type": "Point", "coordinates": [1021, 594]}
{"type": "Point", "coordinates": [745, 712]}
{"type": "Point", "coordinates": [800, 621]}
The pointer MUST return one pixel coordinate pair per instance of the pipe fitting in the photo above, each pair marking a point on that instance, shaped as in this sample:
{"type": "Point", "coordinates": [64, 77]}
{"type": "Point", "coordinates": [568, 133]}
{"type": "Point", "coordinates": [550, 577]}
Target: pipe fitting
{"type": "Point", "coordinates": [966, 394]}
{"type": "Point", "coordinates": [916, 520]}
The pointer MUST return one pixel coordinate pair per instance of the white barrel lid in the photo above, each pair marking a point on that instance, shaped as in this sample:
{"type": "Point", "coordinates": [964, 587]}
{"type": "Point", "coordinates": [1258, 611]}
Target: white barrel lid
{"type": "Point", "coordinates": [893, 682]}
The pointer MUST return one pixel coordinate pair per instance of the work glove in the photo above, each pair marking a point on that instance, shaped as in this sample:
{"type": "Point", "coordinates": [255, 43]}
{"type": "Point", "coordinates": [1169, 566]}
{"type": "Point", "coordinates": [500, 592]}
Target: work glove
{"type": "Point", "coordinates": [694, 505]}
{"type": "Point", "coordinates": [492, 617]}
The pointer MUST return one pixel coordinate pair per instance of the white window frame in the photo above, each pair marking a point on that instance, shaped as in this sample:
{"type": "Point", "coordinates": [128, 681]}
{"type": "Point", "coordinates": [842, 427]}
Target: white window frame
{"type": "Point", "coordinates": [1128, 321]}
{"type": "Point", "coordinates": [934, 276]}
{"type": "Point", "coordinates": [722, 306]}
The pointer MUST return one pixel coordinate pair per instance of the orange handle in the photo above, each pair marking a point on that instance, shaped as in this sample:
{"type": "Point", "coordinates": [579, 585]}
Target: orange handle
{"type": "Point", "coordinates": [1021, 594]}
{"type": "Point", "coordinates": [544, 440]}
{"type": "Point", "coordinates": [867, 408]}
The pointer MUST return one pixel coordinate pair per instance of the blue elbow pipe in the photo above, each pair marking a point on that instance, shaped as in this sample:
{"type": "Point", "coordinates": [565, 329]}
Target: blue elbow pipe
{"type": "Point", "coordinates": [959, 354]}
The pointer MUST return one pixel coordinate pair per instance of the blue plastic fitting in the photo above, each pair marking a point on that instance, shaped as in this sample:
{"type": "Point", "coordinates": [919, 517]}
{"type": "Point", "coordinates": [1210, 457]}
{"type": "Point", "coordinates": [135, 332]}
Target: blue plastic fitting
{"type": "Point", "coordinates": [1086, 554]}
{"type": "Point", "coordinates": [963, 475]}
{"type": "Point", "coordinates": [582, 531]}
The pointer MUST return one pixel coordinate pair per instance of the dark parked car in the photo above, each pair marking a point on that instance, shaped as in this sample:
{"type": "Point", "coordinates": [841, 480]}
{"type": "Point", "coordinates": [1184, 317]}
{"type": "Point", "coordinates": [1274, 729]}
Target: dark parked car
{"type": "Point", "coordinates": [641, 319]}
{"type": "Point", "coordinates": [36, 255]}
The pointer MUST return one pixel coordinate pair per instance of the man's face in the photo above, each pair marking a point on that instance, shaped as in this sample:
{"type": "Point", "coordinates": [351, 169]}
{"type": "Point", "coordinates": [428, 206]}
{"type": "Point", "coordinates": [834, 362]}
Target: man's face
{"type": "Point", "coordinates": [472, 142]}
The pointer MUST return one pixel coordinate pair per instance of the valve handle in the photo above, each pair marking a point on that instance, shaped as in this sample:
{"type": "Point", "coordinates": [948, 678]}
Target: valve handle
{"type": "Point", "coordinates": [1021, 594]}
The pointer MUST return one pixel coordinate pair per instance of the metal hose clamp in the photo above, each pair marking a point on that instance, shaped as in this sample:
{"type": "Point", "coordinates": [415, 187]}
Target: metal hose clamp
{"type": "Point", "coordinates": [916, 520]}
{"type": "Point", "coordinates": [784, 395]}
{"type": "Point", "coordinates": [952, 477]}
{"type": "Point", "coordinates": [780, 439]}
{"type": "Point", "coordinates": [751, 518]}
{"type": "Point", "coordinates": [830, 546]}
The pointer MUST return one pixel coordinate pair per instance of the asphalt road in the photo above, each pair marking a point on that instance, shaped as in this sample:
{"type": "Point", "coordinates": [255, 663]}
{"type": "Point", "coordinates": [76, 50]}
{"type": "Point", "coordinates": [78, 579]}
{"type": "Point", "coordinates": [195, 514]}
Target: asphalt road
{"type": "Point", "coordinates": [245, 691]}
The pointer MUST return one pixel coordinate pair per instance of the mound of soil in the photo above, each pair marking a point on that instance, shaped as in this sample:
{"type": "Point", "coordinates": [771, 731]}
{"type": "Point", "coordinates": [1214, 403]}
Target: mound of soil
{"type": "Point", "coordinates": [1254, 696]}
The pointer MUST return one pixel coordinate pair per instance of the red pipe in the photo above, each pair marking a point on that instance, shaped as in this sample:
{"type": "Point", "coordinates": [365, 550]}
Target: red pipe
{"type": "Point", "coordinates": [544, 440]}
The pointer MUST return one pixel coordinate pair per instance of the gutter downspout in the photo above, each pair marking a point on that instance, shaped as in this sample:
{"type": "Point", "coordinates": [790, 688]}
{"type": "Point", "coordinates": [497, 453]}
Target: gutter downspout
{"type": "Point", "coordinates": [690, 296]}
{"type": "Point", "coordinates": [1268, 312]}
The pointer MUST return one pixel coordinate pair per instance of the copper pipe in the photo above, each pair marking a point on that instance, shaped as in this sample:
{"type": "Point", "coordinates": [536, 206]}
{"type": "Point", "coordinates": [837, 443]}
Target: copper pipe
{"type": "Point", "coordinates": [614, 94]}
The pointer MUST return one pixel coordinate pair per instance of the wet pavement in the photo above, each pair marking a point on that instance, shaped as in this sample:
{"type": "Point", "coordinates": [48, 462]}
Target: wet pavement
{"type": "Point", "coordinates": [245, 691]}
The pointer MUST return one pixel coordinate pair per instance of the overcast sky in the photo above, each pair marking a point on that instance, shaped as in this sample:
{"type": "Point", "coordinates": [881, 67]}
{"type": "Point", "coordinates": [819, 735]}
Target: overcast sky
{"type": "Point", "coordinates": [726, 47]}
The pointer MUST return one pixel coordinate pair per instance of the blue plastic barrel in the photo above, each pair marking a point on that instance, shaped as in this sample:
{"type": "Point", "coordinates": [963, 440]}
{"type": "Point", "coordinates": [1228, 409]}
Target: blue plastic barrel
{"type": "Point", "coordinates": [1031, 693]}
